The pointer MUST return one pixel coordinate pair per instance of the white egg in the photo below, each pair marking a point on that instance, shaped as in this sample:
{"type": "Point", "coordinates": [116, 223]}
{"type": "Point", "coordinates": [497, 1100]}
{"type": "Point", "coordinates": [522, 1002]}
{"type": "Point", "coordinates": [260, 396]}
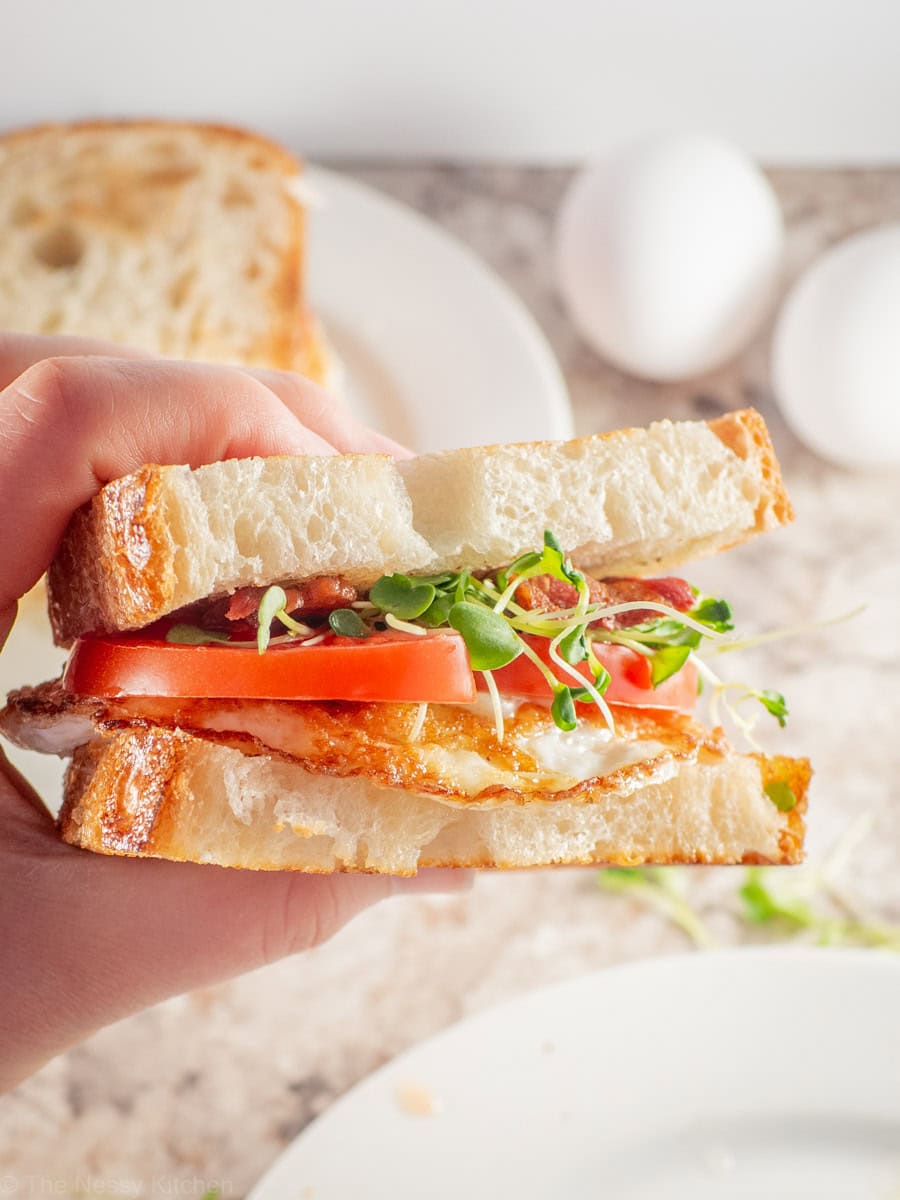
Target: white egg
{"type": "Point", "coordinates": [668, 254]}
{"type": "Point", "coordinates": [836, 354]}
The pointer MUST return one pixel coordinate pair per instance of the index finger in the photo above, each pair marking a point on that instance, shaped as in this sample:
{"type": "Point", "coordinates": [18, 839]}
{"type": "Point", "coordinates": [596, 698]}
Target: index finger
{"type": "Point", "coordinates": [19, 351]}
{"type": "Point", "coordinates": [318, 409]}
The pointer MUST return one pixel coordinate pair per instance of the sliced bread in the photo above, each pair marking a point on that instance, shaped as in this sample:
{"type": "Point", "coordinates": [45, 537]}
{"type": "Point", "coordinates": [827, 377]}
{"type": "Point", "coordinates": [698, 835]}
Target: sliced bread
{"type": "Point", "coordinates": [179, 239]}
{"type": "Point", "coordinates": [166, 793]}
{"type": "Point", "coordinates": [636, 501]}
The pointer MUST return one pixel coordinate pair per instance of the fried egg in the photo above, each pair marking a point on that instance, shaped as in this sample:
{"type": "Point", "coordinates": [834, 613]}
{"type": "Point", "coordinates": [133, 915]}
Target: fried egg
{"type": "Point", "coordinates": [449, 751]}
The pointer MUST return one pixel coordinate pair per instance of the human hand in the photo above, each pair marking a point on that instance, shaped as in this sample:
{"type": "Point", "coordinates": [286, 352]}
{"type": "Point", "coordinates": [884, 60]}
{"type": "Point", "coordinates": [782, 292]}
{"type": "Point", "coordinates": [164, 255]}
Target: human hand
{"type": "Point", "coordinates": [86, 938]}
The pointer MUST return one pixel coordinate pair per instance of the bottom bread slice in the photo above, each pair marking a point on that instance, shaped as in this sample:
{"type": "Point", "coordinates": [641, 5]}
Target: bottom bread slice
{"type": "Point", "coordinates": [162, 792]}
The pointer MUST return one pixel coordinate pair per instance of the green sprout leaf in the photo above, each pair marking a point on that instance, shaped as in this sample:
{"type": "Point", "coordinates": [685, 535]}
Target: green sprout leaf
{"type": "Point", "coordinates": [573, 647]}
{"type": "Point", "coordinates": [490, 641]}
{"type": "Point", "coordinates": [761, 906]}
{"type": "Point", "coordinates": [348, 623]}
{"type": "Point", "coordinates": [774, 703]}
{"type": "Point", "coordinates": [563, 709]}
{"type": "Point", "coordinates": [193, 635]}
{"type": "Point", "coordinates": [669, 631]}
{"type": "Point", "coordinates": [716, 614]}
{"type": "Point", "coordinates": [524, 563]}
{"type": "Point", "coordinates": [601, 675]}
{"type": "Point", "coordinates": [555, 561]}
{"type": "Point", "coordinates": [406, 598]}
{"type": "Point", "coordinates": [437, 581]}
{"type": "Point", "coordinates": [551, 561]}
{"type": "Point", "coordinates": [438, 611]}
{"type": "Point", "coordinates": [758, 905]}
{"type": "Point", "coordinates": [551, 542]}
{"type": "Point", "coordinates": [781, 795]}
{"type": "Point", "coordinates": [463, 582]}
{"type": "Point", "coordinates": [664, 631]}
{"type": "Point", "coordinates": [667, 661]}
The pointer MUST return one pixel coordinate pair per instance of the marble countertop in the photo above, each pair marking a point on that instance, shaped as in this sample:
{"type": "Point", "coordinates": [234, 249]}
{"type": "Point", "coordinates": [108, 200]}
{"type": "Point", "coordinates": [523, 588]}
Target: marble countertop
{"type": "Point", "coordinates": [208, 1088]}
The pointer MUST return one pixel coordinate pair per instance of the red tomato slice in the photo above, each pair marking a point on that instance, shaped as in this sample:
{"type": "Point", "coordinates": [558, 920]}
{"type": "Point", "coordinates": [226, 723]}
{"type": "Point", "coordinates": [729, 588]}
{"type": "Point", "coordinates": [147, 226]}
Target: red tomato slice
{"type": "Point", "coordinates": [386, 666]}
{"type": "Point", "coordinates": [630, 678]}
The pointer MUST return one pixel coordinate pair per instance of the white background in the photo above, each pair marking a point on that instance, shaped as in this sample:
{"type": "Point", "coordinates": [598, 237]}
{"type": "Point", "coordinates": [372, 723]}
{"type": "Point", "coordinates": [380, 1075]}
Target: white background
{"type": "Point", "coordinates": [533, 80]}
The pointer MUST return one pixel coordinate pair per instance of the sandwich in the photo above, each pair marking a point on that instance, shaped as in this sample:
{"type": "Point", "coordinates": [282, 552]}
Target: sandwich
{"type": "Point", "coordinates": [180, 239]}
{"type": "Point", "coordinates": [475, 658]}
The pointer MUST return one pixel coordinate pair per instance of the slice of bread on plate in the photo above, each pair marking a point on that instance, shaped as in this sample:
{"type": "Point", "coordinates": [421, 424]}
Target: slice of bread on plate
{"type": "Point", "coordinates": [181, 239]}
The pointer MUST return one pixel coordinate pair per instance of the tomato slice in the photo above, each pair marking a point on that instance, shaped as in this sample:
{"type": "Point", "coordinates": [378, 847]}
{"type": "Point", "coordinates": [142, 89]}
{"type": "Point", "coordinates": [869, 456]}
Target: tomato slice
{"type": "Point", "coordinates": [385, 666]}
{"type": "Point", "coordinates": [630, 678]}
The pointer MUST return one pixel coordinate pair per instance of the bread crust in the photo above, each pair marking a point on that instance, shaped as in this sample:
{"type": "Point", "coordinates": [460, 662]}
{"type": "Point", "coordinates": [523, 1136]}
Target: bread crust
{"type": "Point", "coordinates": [143, 793]}
{"type": "Point", "coordinates": [117, 559]}
{"type": "Point", "coordinates": [745, 432]}
{"type": "Point", "coordinates": [279, 158]}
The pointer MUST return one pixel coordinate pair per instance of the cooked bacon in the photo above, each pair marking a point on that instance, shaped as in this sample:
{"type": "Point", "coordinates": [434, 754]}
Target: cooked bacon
{"type": "Point", "coordinates": [314, 598]}
{"type": "Point", "coordinates": [545, 593]}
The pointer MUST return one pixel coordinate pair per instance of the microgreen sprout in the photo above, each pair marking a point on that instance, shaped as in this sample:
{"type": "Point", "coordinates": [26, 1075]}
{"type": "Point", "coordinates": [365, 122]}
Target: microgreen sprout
{"type": "Point", "coordinates": [273, 607]}
{"type": "Point", "coordinates": [663, 889]}
{"type": "Point", "coordinates": [772, 702]}
{"type": "Point", "coordinates": [805, 903]}
{"type": "Point", "coordinates": [406, 598]}
{"type": "Point", "coordinates": [489, 640]}
{"type": "Point", "coordinates": [346, 622]}
{"type": "Point", "coordinates": [272, 603]}
{"type": "Point", "coordinates": [667, 661]}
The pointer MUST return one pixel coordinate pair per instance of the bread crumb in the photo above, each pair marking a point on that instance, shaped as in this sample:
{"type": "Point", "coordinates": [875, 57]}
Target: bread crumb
{"type": "Point", "coordinates": [417, 1100]}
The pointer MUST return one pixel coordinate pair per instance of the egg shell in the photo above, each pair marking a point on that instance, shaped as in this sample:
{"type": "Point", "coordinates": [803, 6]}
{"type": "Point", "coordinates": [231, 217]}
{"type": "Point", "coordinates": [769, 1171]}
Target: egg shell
{"type": "Point", "coordinates": [836, 352]}
{"type": "Point", "coordinates": [669, 253]}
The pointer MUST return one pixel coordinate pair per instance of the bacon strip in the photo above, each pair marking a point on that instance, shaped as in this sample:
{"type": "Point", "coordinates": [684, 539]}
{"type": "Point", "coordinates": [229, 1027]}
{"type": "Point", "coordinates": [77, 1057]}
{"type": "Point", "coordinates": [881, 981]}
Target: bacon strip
{"type": "Point", "coordinates": [546, 593]}
{"type": "Point", "coordinates": [314, 598]}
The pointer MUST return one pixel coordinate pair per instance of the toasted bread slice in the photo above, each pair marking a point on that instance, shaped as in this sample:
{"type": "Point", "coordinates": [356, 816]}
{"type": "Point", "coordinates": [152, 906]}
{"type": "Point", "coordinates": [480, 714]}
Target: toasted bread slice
{"type": "Point", "coordinates": [180, 239]}
{"type": "Point", "coordinates": [635, 501]}
{"type": "Point", "coordinates": [165, 793]}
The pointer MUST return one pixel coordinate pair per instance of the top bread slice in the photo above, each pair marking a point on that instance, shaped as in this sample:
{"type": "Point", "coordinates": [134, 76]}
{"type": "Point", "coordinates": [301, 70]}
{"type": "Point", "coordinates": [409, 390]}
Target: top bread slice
{"type": "Point", "coordinates": [632, 502]}
{"type": "Point", "coordinates": [180, 239]}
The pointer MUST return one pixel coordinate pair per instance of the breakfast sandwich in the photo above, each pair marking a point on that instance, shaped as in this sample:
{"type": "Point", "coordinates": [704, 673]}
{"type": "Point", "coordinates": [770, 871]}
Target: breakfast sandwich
{"type": "Point", "coordinates": [476, 658]}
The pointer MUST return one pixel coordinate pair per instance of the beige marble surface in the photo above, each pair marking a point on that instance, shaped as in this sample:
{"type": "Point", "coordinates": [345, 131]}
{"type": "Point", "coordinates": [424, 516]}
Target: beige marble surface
{"type": "Point", "coordinates": [210, 1087]}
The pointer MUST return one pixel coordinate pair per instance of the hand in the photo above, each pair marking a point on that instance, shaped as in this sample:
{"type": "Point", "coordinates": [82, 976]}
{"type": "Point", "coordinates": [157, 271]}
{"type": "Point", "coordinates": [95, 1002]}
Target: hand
{"type": "Point", "coordinates": [86, 938]}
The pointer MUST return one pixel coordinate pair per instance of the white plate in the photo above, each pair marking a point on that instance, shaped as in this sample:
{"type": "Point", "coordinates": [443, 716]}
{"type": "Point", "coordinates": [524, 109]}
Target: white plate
{"type": "Point", "coordinates": [750, 1073]}
{"type": "Point", "coordinates": [435, 349]}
